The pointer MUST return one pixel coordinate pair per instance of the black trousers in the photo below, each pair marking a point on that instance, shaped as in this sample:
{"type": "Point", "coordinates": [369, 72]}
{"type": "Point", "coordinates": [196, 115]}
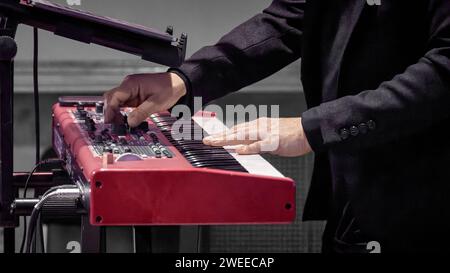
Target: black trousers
{"type": "Point", "coordinates": [342, 235]}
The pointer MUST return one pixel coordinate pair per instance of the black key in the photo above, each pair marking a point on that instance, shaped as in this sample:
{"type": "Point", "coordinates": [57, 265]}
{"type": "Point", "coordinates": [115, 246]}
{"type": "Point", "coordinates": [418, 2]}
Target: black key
{"type": "Point", "coordinates": [206, 152]}
{"type": "Point", "coordinates": [197, 153]}
{"type": "Point", "coordinates": [231, 168]}
{"type": "Point", "coordinates": [211, 159]}
{"type": "Point", "coordinates": [212, 164]}
{"type": "Point", "coordinates": [167, 154]}
{"type": "Point", "coordinates": [143, 126]}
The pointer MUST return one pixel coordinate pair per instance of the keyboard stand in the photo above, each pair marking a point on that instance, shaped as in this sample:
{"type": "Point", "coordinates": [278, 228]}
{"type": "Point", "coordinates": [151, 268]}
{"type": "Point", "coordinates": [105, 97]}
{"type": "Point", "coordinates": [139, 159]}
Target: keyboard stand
{"type": "Point", "coordinates": [171, 239]}
{"type": "Point", "coordinates": [93, 238]}
{"type": "Point", "coordinates": [8, 50]}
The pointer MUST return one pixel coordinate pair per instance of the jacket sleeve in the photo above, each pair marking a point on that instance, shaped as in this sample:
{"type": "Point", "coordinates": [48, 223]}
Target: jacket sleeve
{"type": "Point", "coordinates": [250, 52]}
{"type": "Point", "coordinates": [410, 102]}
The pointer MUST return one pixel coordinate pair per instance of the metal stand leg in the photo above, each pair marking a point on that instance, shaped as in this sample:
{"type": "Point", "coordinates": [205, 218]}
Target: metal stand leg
{"type": "Point", "coordinates": [92, 237]}
{"type": "Point", "coordinates": [9, 235]}
{"type": "Point", "coordinates": [8, 50]}
{"type": "Point", "coordinates": [190, 239]}
{"type": "Point", "coordinates": [170, 239]}
{"type": "Point", "coordinates": [142, 239]}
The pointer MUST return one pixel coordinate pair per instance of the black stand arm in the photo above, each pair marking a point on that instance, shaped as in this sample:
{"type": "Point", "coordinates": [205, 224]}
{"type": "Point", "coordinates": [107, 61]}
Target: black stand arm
{"type": "Point", "coordinates": [8, 50]}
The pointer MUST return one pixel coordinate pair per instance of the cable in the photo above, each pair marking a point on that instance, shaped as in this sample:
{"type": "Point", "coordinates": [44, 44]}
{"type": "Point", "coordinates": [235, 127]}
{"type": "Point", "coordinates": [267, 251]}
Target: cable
{"type": "Point", "coordinates": [38, 232]}
{"type": "Point", "coordinates": [25, 189]}
{"type": "Point", "coordinates": [41, 231]}
{"type": "Point", "coordinates": [199, 239]}
{"type": "Point", "coordinates": [39, 164]}
{"type": "Point", "coordinates": [35, 234]}
{"type": "Point", "coordinates": [67, 190]}
{"type": "Point", "coordinates": [22, 245]}
{"type": "Point", "coordinates": [30, 235]}
{"type": "Point", "coordinates": [36, 123]}
{"type": "Point", "coordinates": [75, 189]}
{"type": "Point", "coordinates": [36, 93]}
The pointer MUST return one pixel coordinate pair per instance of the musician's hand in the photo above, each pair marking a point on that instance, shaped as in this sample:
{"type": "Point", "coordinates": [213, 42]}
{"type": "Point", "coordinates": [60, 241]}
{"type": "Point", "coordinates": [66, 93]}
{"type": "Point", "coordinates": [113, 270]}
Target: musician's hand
{"type": "Point", "coordinates": [284, 137]}
{"type": "Point", "coordinates": [149, 93]}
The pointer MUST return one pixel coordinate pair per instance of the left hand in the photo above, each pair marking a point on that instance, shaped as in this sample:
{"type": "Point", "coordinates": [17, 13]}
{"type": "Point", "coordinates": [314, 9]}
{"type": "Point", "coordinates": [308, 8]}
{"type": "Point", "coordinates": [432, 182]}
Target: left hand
{"type": "Point", "coordinates": [281, 136]}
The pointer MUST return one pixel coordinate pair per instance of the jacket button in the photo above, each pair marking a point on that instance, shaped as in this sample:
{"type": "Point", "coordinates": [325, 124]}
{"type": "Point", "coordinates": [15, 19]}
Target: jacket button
{"type": "Point", "coordinates": [363, 128]}
{"type": "Point", "coordinates": [344, 133]}
{"type": "Point", "coordinates": [354, 131]}
{"type": "Point", "coordinates": [371, 124]}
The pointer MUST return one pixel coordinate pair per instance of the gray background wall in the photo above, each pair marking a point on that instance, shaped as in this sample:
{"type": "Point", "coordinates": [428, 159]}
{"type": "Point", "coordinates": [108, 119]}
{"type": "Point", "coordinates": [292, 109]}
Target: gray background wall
{"type": "Point", "coordinates": [68, 68]}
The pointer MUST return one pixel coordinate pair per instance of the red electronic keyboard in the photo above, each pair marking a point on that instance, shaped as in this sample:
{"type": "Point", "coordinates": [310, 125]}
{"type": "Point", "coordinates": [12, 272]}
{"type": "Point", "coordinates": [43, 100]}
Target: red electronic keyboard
{"type": "Point", "coordinates": [146, 176]}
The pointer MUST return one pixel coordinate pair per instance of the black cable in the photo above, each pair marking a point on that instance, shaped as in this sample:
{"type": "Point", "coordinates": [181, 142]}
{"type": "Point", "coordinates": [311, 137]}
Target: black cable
{"type": "Point", "coordinates": [36, 125]}
{"type": "Point", "coordinates": [25, 189]}
{"type": "Point", "coordinates": [199, 239]}
{"type": "Point", "coordinates": [41, 236]}
{"type": "Point", "coordinates": [22, 245]}
{"type": "Point", "coordinates": [36, 213]}
{"type": "Point", "coordinates": [36, 92]}
{"type": "Point", "coordinates": [31, 232]}
{"type": "Point", "coordinates": [30, 175]}
{"type": "Point", "coordinates": [38, 233]}
{"type": "Point", "coordinates": [35, 234]}
{"type": "Point", "coordinates": [36, 100]}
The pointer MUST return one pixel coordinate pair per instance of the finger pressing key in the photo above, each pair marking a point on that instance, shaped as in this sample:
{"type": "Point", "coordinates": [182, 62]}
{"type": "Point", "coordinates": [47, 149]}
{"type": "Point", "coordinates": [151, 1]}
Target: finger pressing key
{"type": "Point", "coordinates": [142, 112]}
{"type": "Point", "coordinates": [114, 99]}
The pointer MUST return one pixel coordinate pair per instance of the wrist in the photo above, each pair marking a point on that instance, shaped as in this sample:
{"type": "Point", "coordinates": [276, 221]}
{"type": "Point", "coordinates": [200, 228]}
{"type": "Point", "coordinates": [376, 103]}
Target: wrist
{"type": "Point", "coordinates": [178, 85]}
{"type": "Point", "coordinates": [304, 137]}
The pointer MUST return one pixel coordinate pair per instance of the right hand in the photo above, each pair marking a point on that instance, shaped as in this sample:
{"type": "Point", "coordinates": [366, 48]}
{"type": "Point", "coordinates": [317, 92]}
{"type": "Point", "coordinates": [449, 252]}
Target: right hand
{"type": "Point", "coordinates": [149, 93]}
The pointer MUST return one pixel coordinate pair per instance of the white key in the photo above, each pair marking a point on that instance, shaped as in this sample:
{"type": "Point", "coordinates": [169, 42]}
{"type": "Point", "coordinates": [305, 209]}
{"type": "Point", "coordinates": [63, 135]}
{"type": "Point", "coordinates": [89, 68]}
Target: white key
{"type": "Point", "coordinates": [254, 164]}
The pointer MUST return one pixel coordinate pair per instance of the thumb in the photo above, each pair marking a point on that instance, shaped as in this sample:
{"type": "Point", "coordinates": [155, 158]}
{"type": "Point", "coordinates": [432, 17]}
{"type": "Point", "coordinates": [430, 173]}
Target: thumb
{"type": "Point", "coordinates": [141, 113]}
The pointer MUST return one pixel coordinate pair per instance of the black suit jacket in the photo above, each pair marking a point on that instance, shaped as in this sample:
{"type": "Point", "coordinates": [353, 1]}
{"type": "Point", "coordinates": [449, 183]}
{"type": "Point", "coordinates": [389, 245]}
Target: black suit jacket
{"type": "Point", "coordinates": [382, 132]}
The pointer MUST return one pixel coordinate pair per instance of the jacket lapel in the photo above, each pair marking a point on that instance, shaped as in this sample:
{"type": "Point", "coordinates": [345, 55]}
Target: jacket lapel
{"type": "Point", "coordinates": [310, 69]}
{"type": "Point", "coordinates": [352, 15]}
{"type": "Point", "coordinates": [311, 75]}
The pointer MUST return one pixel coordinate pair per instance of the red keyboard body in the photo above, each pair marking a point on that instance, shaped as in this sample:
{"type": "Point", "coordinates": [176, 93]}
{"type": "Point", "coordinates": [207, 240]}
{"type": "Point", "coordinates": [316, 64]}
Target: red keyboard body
{"type": "Point", "coordinates": [160, 188]}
